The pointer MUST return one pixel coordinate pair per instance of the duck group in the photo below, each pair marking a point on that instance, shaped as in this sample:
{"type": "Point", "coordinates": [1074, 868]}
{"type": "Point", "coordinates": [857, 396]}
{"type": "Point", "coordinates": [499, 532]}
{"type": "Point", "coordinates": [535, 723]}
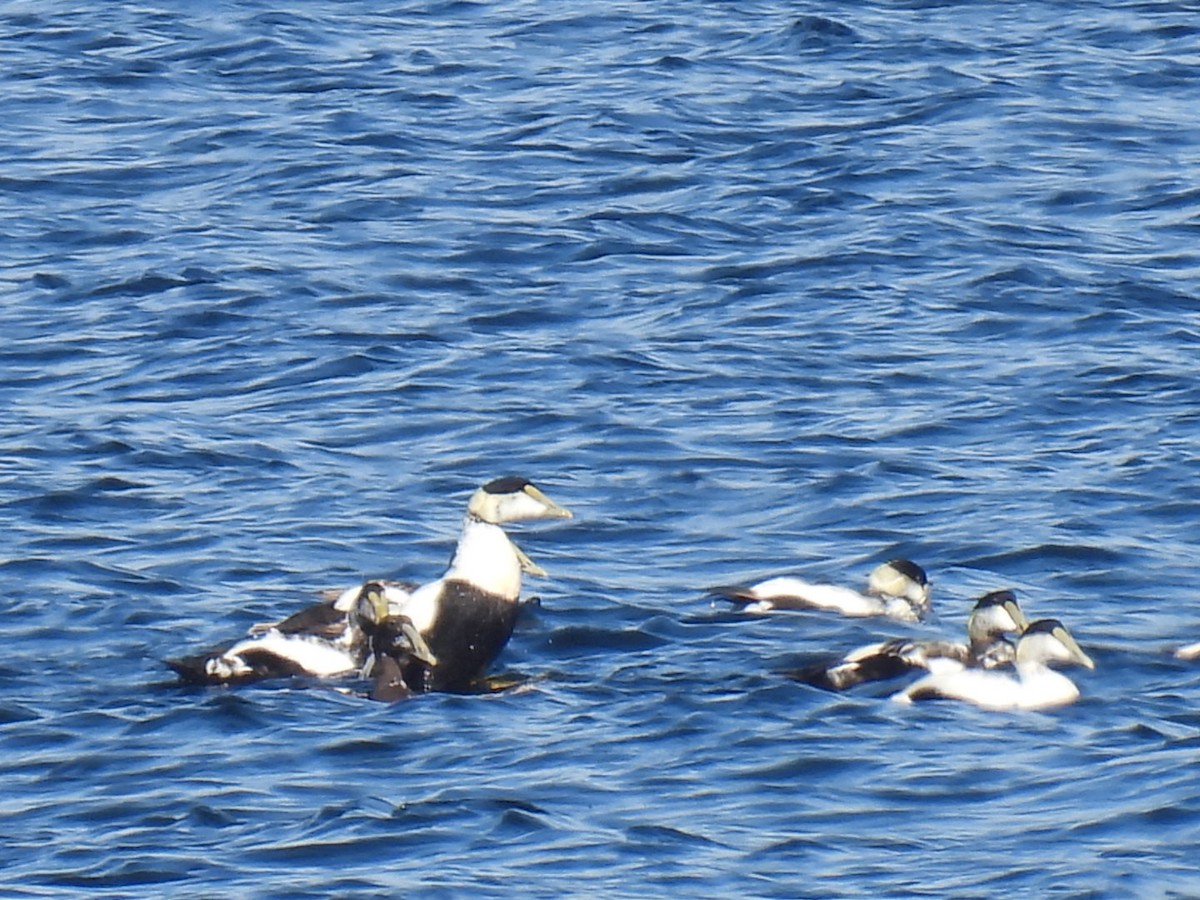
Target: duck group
{"type": "Point", "coordinates": [1004, 663]}
{"type": "Point", "coordinates": [996, 615]}
{"type": "Point", "coordinates": [402, 638]}
{"type": "Point", "coordinates": [442, 635]}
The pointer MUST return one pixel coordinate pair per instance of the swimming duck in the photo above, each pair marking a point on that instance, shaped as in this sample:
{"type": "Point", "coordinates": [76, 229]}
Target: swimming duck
{"type": "Point", "coordinates": [898, 589]}
{"type": "Point", "coordinates": [322, 641]}
{"type": "Point", "coordinates": [467, 616]}
{"type": "Point", "coordinates": [1034, 686]}
{"type": "Point", "coordinates": [994, 616]}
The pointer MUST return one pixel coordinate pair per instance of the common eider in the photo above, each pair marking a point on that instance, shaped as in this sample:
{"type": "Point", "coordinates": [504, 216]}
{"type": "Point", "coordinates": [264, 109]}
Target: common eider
{"type": "Point", "coordinates": [1034, 686]}
{"type": "Point", "coordinates": [467, 616]}
{"type": "Point", "coordinates": [898, 589]}
{"type": "Point", "coordinates": [994, 616]}
{"type": "Point", "coordinates": [322, 641]}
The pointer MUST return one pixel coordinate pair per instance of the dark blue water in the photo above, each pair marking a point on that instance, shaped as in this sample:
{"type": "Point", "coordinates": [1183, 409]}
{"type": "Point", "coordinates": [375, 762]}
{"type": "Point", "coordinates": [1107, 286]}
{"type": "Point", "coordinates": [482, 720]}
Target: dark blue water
{"type": "Point", "coordinates": [752, 287]}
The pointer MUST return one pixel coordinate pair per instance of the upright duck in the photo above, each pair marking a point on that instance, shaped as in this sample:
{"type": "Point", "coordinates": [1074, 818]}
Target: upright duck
{"type": "Point", "coordinates": [467, 616]}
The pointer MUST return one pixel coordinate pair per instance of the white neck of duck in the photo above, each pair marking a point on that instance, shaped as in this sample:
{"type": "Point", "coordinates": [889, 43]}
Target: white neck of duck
{"type": "Point", "coordinates": [486, 559]}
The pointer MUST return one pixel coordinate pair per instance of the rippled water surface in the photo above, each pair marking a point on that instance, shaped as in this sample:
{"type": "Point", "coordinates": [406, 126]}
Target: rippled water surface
{"type": "Point", "coordinates": [752, 287]}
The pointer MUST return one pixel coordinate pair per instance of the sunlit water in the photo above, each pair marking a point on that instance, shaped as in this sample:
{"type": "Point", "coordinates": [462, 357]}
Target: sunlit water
{"type": "Point", "coordinates": [752, 287]}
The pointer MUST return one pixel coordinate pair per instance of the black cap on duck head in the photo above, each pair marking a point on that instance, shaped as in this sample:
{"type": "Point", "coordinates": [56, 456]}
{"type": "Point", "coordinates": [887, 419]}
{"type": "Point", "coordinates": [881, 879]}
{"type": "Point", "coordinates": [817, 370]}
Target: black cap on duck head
{"type": "Point", "coordinates": [909, 569]}
{"type": "Point", "coordinates": [509, 484]}
{"type": "Point", "coordinates": [995, 598]}
{"type": "Point", "coordinates": [1044, 626]}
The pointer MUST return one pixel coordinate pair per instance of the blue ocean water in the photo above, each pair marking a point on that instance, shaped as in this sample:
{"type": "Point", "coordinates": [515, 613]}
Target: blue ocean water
{"type": "Point", "coordinates": [752, 287]}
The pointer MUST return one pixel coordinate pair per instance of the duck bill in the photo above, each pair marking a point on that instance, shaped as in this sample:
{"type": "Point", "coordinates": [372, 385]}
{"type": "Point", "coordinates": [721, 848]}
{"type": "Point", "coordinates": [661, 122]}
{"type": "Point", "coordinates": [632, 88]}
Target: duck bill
{"type": "Point", "coordinates": [378, 602]}
{"type": "Point", "coordinates": [420, 649]}
{"type": "Point", "coordinates": [1017, 615]}
{"type": "Point", "coordinates": [528, 566]}
{"type": "Point", "coordinates": [551, 510]}
{"type": "Point", "coordinates": [1076, 652]}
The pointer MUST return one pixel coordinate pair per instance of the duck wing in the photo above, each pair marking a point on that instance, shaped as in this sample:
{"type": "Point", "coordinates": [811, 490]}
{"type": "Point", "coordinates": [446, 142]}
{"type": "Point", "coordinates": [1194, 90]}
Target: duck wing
{"type": "Point", "coordinates": [319, 619]}
{"type": "Point", "coordinates": [881, 662]}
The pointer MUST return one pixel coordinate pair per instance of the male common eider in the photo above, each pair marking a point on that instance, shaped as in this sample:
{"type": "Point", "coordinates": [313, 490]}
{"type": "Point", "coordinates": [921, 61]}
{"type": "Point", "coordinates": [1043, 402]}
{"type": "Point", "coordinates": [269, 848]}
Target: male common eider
{"type": "Point", "coordinates": [467, 616]}
{"type": "Point", "coordinates": [321, 641]}
{"type": "Point", "coordinates": [1035, 685]}
{"type": "Point", "coordinates": [898, 589]}
{"type": "Point", "coordinates": [994, 616]}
